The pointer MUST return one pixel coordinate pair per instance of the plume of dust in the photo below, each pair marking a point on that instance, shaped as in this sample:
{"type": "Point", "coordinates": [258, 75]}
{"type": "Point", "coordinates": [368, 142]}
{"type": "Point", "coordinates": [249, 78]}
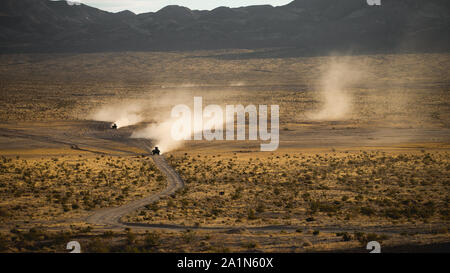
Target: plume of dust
{"type": "Point", "coordinates": [161, 132]}
{"type": "Point", "coordinates": [120, 114]}
{"type": "Point", "coordinates": [334, 95]}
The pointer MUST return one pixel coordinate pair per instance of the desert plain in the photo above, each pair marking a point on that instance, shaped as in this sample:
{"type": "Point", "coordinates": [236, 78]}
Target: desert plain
{"type": "Point", "coordinates": [363, 153]}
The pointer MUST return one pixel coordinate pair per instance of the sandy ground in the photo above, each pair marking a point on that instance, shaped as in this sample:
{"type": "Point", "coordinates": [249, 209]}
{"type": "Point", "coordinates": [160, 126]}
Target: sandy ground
{"type": "Point", "coordinates": [397, 110]}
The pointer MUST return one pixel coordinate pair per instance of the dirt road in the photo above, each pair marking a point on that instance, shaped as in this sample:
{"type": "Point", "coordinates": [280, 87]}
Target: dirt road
{"type": "Point", "coordinates": [93, 137]}
{"type": "Point", "coordinates": [111, 217]}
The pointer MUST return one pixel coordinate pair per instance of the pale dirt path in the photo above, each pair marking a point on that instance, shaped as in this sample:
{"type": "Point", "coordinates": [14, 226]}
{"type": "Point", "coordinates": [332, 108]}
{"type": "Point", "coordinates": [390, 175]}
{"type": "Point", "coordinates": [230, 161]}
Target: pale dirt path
{"type": "Point", "coordinates": [111, 217]}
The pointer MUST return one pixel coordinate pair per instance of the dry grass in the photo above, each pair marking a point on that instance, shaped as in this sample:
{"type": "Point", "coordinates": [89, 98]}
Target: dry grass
{"type": "Point", "coordinates": [71, 186]}
{"type": "Point", "coordinates": [342, 188]}
{"type": "Point", "coordinates": [396, 90]}
{"type": "Point", "coordinates": [163, 241]}
{"type": "Point", "coordinates": [389, 166]}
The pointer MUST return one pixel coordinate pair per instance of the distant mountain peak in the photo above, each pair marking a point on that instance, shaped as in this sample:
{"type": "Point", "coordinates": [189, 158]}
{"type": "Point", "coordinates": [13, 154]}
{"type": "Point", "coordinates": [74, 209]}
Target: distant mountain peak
{"type": "Point", "coordinates": [174, 8]}
{"type": "Point", "coordinates": [126, 12]}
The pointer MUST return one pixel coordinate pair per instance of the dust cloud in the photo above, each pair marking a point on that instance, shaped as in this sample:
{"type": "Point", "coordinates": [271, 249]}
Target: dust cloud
{"type": "Point", "coordinates": [122, 115]}
{"type": "Point", "coordinates": [154, 120]}
{"type": "Point", "coordinates": [170, 133]}
{"type": "Point", "coordinates": [160, 133]}
{"type": "Point", "coordinates": [334, 94]}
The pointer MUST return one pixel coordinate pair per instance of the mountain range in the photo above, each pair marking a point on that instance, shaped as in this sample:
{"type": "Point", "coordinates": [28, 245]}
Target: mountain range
{"type": "Point", "coordinates": [310, 25]}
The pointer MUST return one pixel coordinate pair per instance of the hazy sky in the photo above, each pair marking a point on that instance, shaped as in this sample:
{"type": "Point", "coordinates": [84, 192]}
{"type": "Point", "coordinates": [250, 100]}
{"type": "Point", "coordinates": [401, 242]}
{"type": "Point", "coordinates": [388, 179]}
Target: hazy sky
{"type": "Point", "coordinates": [140, 6]}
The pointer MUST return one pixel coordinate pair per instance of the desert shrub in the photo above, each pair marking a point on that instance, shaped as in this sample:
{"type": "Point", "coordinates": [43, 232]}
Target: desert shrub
{"type": "Point", "coordinates": [216, 211]}
{"type": "Point", "coordinates": [3, 243]}
{"type": "Point", "coordinates": [86, 229]}
{"type": "Point", "coordinates": [3, 213]}
{"type": "Point", "coordinates": [237, 194]}
{"type": "Point", "coordinates": [365, 238]}
{"type": "Point", "coordinates": [152, 239]}
{"type": "Point", "coordinates": [251, 215]}
{"type": "Point", "coordinates": [445, 213]}
{"type": "Point", "coordinates": [153, 206]}
{"type": "Point", "coordinates": [393, 213]}
{"type": "Point", "coordinates": [442, 230]}
{"type": "Point", "coordinates": [360, 236]}
{"type": "Point", "coordinates": [61, 238]}
{"type": "Point", "coordinates": [188, 236]}
{"type": "Point", "coordinates": [306, 196]}
{"type": "Point", "coordinates": [222, 249]}
{"type": "Point", "coordinates": [108, 234]}
{"type": "Point", "coordinates": [368, 211]}
{"type": "Point", "coordinates": [250, 245]}
{"type": "Point", "coordinates": [315, 206]}
{"type": "Point", "coordinates": [171, 203]}
{"type": "Point", "coordinates": [346, 237]}
{"type": "Point", "coordinates": [130, 237]}
{"type": "Point", "coordinates": [359, 197]}
{"type": "Point", "coordinates": [260, 208]}
{"type": "Point", "coordinates": [97, 246]}
{"type": "Point", "coordinates": [376, 237]}
{"type": "Point", "coordinates": [34, 234]}
{"type": "Point", "coordinates": [131, 249]}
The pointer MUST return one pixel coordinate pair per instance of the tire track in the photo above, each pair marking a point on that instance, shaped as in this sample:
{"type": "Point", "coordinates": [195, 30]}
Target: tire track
{"type": "Point", "coordinates": [111, 217]}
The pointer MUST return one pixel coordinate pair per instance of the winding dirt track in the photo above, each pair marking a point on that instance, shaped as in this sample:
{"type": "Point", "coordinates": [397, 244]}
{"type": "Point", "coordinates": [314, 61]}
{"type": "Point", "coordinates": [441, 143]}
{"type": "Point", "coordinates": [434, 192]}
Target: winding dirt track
{"type": "Point", "coordinates": [111, 217]}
